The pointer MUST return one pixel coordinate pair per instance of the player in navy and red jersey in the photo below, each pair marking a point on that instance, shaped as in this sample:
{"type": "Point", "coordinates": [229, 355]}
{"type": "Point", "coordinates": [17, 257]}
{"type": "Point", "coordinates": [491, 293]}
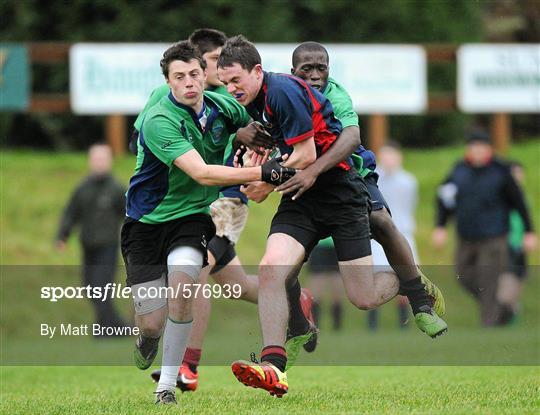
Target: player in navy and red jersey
{"type": "Point", "coordinates": [276, 107]}
{"type": "Point", "coordinates": [302, 124]}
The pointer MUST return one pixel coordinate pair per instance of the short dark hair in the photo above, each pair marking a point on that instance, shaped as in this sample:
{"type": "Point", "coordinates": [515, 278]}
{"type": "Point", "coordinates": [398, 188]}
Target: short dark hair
{"type": "Point", "coordinates": [180, 51]}
{"type": "Point", "coordinates": [239, 50]}
{"type": "Point", "coordinates": [207, 40]}
{"type": "Point", "coordinates": [305, 48]}
{"type": "Point", "coordinates": [478, 135]}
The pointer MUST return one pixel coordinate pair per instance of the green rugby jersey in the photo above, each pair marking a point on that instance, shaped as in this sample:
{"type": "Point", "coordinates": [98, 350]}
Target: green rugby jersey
{"type": "Point", "coordinates": [342, 103]}
{"type": "Point", "coordinates": [159, 191]}
{"type": "Point", "coordinates": [363, 160]}
{"type": "Point", "coordinates": [163, 91]}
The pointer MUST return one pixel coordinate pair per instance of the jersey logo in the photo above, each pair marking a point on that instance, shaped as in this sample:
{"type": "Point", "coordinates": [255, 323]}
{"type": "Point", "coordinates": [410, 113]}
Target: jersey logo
{"type": "Point", "coordinates": [167, 144]}
{"type": "Point", "coordinates": [217, 132]}
{"type": "Point", "coordinates": [186, 380]}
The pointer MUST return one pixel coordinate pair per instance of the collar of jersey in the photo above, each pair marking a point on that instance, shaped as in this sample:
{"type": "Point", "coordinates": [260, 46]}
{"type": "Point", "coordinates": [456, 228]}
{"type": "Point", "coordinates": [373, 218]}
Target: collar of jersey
{"type": "Point", "coordinates": [214, 111]}
{"type": "Point", "coordinates": [256, 107]}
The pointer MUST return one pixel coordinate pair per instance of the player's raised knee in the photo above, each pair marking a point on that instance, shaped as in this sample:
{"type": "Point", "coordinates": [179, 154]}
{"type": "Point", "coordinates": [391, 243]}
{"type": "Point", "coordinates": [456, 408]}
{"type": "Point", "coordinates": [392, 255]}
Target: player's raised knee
{"type": "Point", "coordinates": [364, 303]}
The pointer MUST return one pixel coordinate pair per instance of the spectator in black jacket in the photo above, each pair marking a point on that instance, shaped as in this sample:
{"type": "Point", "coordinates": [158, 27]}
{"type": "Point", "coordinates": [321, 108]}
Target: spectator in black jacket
{"type": "Point", "coordinates": [98, 206]}
{"type": "Point", "coordinates": [480, 191]}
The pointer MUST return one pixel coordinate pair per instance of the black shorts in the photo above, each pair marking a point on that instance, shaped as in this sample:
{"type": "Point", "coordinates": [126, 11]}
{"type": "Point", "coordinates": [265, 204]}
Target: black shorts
{"type": "Point", "coordinates": [338, 206]}
{"type": "Point", "coordinates": [377, 199]}
{"type": "Point", "coordinates": [323, 260]}
{"type": "Point", "coordinates": [145, 247]}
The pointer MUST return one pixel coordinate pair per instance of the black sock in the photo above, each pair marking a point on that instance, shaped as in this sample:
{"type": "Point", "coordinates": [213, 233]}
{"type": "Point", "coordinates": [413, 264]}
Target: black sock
{"type": "Point", "coordinates": [316, 311]}
{"type": "Point", "coordinates": [416, 293]}
{"type": "Point", "coordinates": [403, 315]}
{"type": "Point", "coordinates": [298, 323]}
{"type": "Point", "coordinates": [336, 315]}
{"type": "Point", "coordinates": [275, 355]}
{"type": "Point", "coordinates": [373, 319]}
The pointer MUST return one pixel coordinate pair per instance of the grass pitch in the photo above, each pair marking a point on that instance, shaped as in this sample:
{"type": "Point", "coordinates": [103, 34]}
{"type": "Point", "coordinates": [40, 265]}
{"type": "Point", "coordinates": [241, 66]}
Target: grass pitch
{"type": "Point", "coordinates": [313, 390]}
{"type": "Point", "coordinates": [35, 187]}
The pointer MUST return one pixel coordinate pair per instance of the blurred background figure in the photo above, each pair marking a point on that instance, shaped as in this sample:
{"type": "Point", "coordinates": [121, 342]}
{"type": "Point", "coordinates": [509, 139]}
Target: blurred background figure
{"type": "Point", "coordinates": [511, 282]}
{"type": "Point", "coordinates": [97, 206]}
{"type": "Point", "coordinates": [481, 192]}
{"type": "Point", "coordinates": [324, 272]}
{"type": "Point", "coordinates": [400, 189]}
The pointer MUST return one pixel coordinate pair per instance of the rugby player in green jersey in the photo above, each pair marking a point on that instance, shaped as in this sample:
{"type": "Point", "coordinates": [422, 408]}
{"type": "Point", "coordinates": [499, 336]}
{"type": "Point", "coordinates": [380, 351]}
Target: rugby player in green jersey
{"type": "Point", "coordinates": [164, 238]}
{"type": "Point", "coordinates": [208, 43]}
{"type": "Point", "coordinates": [229, 214]}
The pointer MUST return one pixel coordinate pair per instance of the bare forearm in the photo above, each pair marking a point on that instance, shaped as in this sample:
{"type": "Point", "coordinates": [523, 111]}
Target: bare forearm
{"type": "Point", "coordinates": [304, 153]}
{"type": "Point", "coordinates": [297, 161]}
{"type": "Point", "coordinates": [214, 175]}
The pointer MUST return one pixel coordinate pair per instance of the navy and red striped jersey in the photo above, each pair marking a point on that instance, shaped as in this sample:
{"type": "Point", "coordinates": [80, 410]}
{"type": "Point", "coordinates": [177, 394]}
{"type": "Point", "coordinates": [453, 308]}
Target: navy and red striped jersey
{"type": "Point", "coordinates": [291, 111]}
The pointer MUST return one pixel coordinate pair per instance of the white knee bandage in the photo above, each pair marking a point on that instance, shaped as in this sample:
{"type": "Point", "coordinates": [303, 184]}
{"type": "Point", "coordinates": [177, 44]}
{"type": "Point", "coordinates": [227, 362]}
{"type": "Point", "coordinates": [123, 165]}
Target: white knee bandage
{"type": "Point", "coordinates": [187, 260]}
{"type": "Point", "coordinates": [149, 296]}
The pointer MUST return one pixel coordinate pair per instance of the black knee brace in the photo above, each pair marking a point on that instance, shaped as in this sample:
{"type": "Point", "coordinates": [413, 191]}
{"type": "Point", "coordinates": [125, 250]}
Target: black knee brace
{"type": "Point", "coordinates": [223, 252]}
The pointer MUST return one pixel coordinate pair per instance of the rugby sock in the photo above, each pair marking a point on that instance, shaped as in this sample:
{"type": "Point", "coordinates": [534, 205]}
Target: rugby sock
{"type": "Point", "coordinates": [192, 358]}
{"type": "Point", "coordinates": [416, 293]}
{"type": "Point", "coordinates": [373, 319]}
{"type": "Point", "coordinates": [337, 312]}
{"type": "Point", "coordinates": [275, 355]}
{"type": "Point", "coordinates": [403, 314]}
{"type": "Point", "coordinates": [298, 323]}
{"type": "Point", "coordinates": [316, 310]}
{"type": "Point", "coordinates": [175, 340]}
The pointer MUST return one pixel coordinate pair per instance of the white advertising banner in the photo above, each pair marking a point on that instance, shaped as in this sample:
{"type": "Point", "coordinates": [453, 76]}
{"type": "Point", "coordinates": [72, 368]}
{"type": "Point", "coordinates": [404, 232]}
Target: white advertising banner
{"type": "Point", "coordinates": [387, 79]}
{"type": "Point", "coordinates": [499, 78]}
{"type": "Point", "coordinates": [118, 78]}
{"type": "Point", "coordinates": [113, 78]}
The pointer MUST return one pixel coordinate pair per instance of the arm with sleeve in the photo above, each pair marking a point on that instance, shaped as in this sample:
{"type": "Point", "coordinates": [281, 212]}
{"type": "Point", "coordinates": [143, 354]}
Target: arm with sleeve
{"type": "Point", "coordinates": [70, 216]}
{"type": "Point", "coordinates": [446, 200]}
{"type": "Point", "coordinates": [516, 200]}
{"type": "Point", "coordinates": [164, 140]}
{"type": "Point", "coordinates": [293, 114]}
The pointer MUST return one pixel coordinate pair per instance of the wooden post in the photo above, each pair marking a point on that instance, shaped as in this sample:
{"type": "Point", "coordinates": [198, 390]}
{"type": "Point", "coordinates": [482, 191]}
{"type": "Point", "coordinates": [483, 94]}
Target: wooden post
{"type": "Point", "coordinates": [377, 131]}
{"type": "Point", "coordinates": [501, 132]}
{"type": "Point", "coordinates": [116, 133]}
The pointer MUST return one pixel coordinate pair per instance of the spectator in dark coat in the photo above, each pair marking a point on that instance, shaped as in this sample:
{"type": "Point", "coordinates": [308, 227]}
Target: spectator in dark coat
{"type": "Point", "coordinates": [480, 192]}
{"type": "Point", "coordinates": [97, 206]}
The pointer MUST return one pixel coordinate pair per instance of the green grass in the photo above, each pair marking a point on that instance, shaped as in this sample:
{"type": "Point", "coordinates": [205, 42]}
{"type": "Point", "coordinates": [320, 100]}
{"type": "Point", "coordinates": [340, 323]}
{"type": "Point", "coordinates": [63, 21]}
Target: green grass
{"type": "Point", "coordinates": [36, 185]}
{"type": "Point", "coordinates": [414, 374]}
{"type": "Point", "coordinates": [313, 390]}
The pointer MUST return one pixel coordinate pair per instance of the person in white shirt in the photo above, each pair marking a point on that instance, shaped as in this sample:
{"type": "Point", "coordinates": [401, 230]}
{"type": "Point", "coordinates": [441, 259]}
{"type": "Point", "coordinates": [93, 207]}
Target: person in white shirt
{"type": "Point", "coordinates": [400, 189]}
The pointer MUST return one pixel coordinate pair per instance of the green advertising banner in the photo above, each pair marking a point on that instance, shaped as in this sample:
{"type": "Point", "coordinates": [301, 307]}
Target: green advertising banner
{"type": "Point", "coordinates": [14, 77]}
